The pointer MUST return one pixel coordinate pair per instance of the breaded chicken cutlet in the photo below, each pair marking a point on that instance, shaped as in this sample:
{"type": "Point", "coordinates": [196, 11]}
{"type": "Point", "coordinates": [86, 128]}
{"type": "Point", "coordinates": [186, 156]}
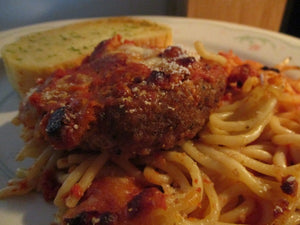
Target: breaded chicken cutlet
{"type": "Point", "coordinates": [125, 99]}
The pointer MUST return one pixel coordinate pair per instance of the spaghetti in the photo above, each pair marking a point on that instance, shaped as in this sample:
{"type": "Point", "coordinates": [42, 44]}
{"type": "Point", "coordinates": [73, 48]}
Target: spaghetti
{"type": "Point", "coordinates": [243, 169]}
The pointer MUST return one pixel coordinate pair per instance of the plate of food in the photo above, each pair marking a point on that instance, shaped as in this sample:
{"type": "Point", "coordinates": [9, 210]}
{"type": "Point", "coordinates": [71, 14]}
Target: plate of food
{"type": "Point", "coordinates": [149, 120]}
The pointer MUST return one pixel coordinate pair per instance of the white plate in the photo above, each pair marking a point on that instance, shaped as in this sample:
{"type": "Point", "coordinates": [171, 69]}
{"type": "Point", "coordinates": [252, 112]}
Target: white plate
{"type": "Point", "coordinates": [249, 43]}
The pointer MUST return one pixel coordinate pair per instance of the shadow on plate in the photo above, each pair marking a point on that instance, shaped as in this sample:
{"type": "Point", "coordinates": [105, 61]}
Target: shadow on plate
{"type": "Point", "coordinates": [19, 210]}
{"type": "Point", "coordinates": [26, 210]}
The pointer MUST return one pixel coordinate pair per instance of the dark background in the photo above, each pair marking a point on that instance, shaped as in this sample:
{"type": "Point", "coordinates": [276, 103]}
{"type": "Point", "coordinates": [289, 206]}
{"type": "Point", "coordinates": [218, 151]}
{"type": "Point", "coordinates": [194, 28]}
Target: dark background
{"type": "Point", "coordinates": [291, 20]}
{"type": "Point", "coordinates": [16, 13]}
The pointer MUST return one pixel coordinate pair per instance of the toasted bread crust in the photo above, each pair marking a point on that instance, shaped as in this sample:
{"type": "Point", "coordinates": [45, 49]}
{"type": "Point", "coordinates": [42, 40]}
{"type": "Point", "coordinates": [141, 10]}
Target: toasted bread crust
{"type": "Point", "coordinates": [39, 54]}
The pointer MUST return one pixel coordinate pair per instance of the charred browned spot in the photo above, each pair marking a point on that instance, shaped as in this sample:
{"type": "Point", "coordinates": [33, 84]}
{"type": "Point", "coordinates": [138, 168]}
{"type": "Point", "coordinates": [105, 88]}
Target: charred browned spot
{"type": "Point", "coordinates": [92, 218]}
{"type": "Point", "coordinates": [157, 77]}
{"type": "Point", "coordinates": [144, 202]}
{"type": "Point", "coordinates": [241, 73]}
{"type": "Point", "coordinates": [171, 52]}
{"type": "Point", "coordinates": [137, 80]}
{"type": "Point", "coordinates": [289, 185]}
{"type": "Point", "coordinates": [55, 121]}
{"type": "Point", "coordinates": [185, 61]}
{"type": "Point", "coordinates": [271, 69]}
{"type": "Point", "coordinates": [106, 219]}
{"type": "Point", "coordinates": [134, 206]}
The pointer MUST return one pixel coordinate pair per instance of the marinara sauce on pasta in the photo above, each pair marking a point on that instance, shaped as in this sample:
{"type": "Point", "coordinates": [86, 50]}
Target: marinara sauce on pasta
{"type": "Point", "coordinates": [219, 146]}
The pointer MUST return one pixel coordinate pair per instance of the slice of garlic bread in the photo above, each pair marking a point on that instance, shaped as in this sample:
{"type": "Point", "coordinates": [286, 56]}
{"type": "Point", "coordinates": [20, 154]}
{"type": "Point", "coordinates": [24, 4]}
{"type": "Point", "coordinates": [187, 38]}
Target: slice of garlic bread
{"type": "Point", "coordinates": [39, 54]}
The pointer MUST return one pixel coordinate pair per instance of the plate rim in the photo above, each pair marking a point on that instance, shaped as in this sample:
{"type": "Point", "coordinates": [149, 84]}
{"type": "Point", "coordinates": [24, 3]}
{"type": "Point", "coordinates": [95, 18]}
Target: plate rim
{"type": "Point", "coordinates": [230, 25]}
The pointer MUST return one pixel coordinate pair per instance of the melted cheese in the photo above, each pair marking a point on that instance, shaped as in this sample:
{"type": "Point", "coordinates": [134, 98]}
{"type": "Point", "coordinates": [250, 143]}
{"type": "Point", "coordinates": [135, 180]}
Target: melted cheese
{"type": "Point", "coordinates": [150, 57]}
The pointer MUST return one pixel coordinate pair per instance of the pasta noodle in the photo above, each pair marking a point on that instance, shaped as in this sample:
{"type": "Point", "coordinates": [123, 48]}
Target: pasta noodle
{"type": "Point", "coordinates": [208, 55]}
{"type": "Point", "coordinates": [243, 169]}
